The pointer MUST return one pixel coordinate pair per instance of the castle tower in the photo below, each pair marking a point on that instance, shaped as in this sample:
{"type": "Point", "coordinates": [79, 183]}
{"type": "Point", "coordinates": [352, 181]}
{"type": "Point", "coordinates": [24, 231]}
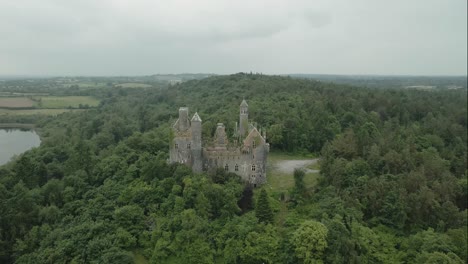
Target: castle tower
{"type": "Point", "coordinates": [196, 147]}
{"type": "Point", "coordinates": [181, 141]}
{"type": "Point", "coordinates": [183, 119]}
{"type": "Point", "coordinates": [243, 119]}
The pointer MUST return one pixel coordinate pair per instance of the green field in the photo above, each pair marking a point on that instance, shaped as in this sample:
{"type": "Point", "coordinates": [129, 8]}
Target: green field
{"type": "Point", "coordinates": [66, 101]}
{"type": "Point", "coordinates": [46, 112]}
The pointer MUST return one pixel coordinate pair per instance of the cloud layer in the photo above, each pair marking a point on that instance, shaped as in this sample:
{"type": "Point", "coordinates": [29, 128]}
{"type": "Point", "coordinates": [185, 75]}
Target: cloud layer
{"type": "Point", "coordinates": [117, 37]}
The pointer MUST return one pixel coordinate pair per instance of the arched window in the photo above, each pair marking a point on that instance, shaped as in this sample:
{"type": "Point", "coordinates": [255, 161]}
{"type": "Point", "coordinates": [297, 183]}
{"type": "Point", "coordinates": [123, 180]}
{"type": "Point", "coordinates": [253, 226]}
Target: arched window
{"type": "Point", "coordinates": [236, 168]}
{"type": "Point", "coordinates": [226, 168]}
{"type": "Point", "coordinates": [176, 146]}
{"type": "Point", "coordinates": [253, 167]}
{"type": "Point", "coordinates": [188, 146]}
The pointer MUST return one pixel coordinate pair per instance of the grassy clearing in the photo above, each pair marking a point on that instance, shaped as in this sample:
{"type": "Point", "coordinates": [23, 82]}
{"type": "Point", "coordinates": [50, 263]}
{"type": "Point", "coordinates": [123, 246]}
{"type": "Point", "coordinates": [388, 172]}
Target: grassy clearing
{"type": "Point", "coordinates": [47, 112]}
{"type": "Point", "coordinates": [315, 166]}
{"type": "Point", "coordinates": [281, 182]}
{"type": "Point", "coordinates": [66, 101]}
{"type": "Point", "coordinates": [276, 156]}
{"type": "Point", "coordinates": [16, 102]}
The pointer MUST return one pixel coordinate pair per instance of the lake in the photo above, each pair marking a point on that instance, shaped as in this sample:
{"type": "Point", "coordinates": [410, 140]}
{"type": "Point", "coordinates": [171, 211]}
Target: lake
{"type": "Point", "coordinates": [16, 141]}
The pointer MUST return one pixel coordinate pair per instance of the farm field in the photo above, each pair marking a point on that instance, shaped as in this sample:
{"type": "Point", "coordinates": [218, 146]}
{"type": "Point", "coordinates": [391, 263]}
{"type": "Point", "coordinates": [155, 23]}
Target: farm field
{"type": "Point", "coordinates": [45, 112]}
{"type": "Point", "coordinates": [16, 102]}
{"type": "Point", "coordinates": [14, 94]}
{"type": "Point", "coordinates": [66, 101]}
{"type": "Point", "coordinates": [48, 102]}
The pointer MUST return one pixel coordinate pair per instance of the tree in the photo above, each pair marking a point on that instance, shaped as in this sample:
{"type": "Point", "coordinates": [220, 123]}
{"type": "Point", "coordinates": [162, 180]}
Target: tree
{"type": "Point", "coordinates": [275, 135]}
{"type": "Point", "coordinates": [299, 181]}
{"type": "Point", "coordinates": [299, 187]}
{"type": "Point", "coordinates": [310, 241]}
{"type": "Point", "coordinates": [263, 210]}
{"type": "Point", "coordinates": [245, 203]}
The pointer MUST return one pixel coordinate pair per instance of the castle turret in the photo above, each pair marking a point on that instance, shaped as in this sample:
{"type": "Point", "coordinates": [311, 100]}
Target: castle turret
{"type": "Point", "coordinates": [243, 119]}
{"type": "Point", "coordinates": [220, 136]}
{"type": "Point", "coordinates": [183, 119]}
{"type": "Point", "coordinates": [181, 140]}
{"type": "Point", "coordinates": [196, 147]}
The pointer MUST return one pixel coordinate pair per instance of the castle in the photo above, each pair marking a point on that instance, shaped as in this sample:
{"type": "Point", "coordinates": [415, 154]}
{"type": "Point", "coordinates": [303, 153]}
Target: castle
{"type": "Point", "coordinates": [245, 156]}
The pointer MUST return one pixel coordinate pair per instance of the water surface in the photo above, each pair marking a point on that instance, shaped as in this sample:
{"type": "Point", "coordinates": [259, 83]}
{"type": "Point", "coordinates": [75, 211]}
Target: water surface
{"type": "Point", "coordinates": [16, 141]}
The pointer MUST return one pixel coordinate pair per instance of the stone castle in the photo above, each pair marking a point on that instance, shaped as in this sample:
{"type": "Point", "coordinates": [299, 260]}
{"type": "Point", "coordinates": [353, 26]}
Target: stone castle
{"type": "Point", "coordinates": [245, 155]}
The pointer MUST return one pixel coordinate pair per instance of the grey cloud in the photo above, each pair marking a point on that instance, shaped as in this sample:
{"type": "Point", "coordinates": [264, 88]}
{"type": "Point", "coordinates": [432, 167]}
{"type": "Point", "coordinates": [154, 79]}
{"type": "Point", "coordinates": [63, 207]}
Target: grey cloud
{"type": "Point", "coordinates": [146, 36]}
{"type": "Point", "coordinates": [318, 19]}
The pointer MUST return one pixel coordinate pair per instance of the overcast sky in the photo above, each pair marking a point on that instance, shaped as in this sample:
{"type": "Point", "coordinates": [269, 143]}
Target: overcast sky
{"type": "Point", "coordinates": [140, 37]}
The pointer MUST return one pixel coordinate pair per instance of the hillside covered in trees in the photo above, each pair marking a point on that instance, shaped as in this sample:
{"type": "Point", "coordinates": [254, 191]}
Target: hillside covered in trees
{"type": "Point", "coordinates": [99, 190]}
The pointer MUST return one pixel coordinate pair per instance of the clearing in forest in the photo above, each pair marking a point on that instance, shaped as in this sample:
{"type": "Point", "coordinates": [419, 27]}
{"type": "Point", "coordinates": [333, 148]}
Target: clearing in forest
{"type": "Point", "coordinates": [281, 168]}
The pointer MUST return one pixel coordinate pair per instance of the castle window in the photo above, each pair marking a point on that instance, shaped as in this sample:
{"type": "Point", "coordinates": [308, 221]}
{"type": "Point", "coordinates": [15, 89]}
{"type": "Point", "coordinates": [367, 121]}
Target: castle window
{"type": "Point", "coordinates": [254, 145]}
{"type": "Point", "coordinates": [253, 167]}
{"type": "Point", "coordinates": [226, 168]}
{"type": "Point", "coordinates": [236, 168]}
{"type": "Point", "coordinates": [188, 146]}
{"type": "Point", "coordinates": [176, 146]}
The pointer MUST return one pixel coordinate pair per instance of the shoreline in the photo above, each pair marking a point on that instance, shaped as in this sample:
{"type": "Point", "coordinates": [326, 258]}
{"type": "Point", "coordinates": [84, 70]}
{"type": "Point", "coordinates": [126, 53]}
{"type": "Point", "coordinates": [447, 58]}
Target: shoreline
{"type": "Point", "coordinates": [17, 125]}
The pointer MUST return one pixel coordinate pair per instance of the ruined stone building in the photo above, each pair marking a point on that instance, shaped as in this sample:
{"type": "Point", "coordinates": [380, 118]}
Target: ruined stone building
{"type": "Point", "coordinates": [245, 154]}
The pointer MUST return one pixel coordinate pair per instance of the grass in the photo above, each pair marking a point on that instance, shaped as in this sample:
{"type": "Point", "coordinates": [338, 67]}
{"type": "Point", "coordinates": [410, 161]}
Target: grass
{"type": "Point", "coordinates": [315, 166]}
{"type": "Point", "coordinates": [281, 182]}
{"type": "Point", "coordinates": [275, 156]}
{"type": "Point", "coordinates": [48, 102]}
{"type": "Point", "coordinates": [67, 101]}
{"type": "Point", "coordinates": [46, 112]}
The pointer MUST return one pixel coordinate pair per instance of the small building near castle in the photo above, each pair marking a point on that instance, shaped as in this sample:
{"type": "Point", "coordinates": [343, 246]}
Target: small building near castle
{"type": "Point", "coordinates": [245, 153]}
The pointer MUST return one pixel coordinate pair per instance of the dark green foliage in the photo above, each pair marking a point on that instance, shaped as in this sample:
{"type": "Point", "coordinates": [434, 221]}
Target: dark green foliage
{"type": "Point", "coordinates": [298, 192]}
{"type": "Point", "coordinates": [99, 189]}
{"type": "Point", "coordinates": [299, 181]}
{"type": "Point", "coordinates": [262, 209]}
{"type": "Point", "coordinates": [246, 202]}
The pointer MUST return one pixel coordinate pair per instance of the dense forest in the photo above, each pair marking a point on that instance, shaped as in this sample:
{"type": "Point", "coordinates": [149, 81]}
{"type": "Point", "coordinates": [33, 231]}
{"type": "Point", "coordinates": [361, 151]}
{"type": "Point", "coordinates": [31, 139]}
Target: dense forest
{"type": "Point", "coordinates": [99, 190]}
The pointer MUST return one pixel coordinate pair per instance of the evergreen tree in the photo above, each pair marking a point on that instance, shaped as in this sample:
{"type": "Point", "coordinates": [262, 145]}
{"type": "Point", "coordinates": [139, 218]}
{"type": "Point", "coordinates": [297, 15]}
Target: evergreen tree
{"type": "Point", "coordinates": [299, 181]}
{"type": "Point", "coordinates": [263, 210]}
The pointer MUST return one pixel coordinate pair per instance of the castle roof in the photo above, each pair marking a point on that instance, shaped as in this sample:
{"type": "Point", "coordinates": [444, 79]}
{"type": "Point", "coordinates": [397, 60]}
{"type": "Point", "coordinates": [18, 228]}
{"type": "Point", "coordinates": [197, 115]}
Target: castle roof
{"type": "Point", "coordinates": [244, 103]}
{"type": "Point", "coordinates": [252, 135]}
{"type": "Point", "coordinates": [196, 117]}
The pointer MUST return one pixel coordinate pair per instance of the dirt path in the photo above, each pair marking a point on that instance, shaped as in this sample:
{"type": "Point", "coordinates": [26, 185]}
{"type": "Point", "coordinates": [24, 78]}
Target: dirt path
{"type": "Point", "coordinates": [288, 166]}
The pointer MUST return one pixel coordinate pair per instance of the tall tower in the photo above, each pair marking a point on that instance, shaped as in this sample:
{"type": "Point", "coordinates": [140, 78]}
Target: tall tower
{"type": "Point", "coordinates": [243, 119]}
{"type": "Point", "coordinates": [180, 145]}
{"type": "Point", "coordinates": [183, 119]}
{"type": "Point", "coordinates": [196, 147]}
